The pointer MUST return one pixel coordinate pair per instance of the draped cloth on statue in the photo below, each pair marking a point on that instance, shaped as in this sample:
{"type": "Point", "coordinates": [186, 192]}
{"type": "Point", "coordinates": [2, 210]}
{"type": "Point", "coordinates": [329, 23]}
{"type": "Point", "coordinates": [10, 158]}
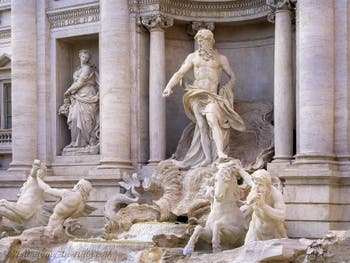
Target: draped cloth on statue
{"type": "Point", "coordinates": [208, 103]}
{"type": "Point", "coordinates": [83, 117]}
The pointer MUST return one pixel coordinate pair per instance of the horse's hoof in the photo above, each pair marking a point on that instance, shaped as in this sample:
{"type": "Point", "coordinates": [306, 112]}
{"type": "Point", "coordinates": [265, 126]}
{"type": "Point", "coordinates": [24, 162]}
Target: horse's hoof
{"type": "Point", "coordinates": [216, 249]}
{"type": "Point", "coordinates": [188, 250]}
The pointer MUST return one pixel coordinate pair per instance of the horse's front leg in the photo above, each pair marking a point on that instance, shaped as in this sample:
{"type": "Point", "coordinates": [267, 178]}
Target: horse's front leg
{"type": "Point", "coordinates": [216, 237]}
{"type": "Point", "coordinates": [193, 240]}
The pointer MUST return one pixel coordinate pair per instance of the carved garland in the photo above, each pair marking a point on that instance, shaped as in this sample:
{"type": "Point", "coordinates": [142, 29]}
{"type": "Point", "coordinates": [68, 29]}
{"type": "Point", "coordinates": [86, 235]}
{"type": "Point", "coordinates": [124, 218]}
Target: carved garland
{"type": "Point", "coordinates": [74, 16]}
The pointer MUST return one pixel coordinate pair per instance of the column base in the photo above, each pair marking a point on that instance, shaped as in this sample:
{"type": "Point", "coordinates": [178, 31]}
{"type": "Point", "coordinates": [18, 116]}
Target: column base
{"type": "Point", "coordinates": [154, 162]}
{"type": "Point", "coordinates": [276, 168]}
{"type": "Point", "coordinates": [20, 168]}
{"type": "Point", "coordinates": [116, 168]}
{"type": "Point", "coordinates": [316, 198]}
{"type": "Point", "coordinates": [313, 158]}
{"type": "Point", "coordinates": [282, 159]}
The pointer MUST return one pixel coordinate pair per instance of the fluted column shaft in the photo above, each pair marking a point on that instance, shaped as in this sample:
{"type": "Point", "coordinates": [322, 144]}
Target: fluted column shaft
{"type": "Point", "coordinates": [283, 89]}
{"type": "Point", "coordinates": [24, 85]}
{"type": "Point", "coordinates": [315, 79]}
{"type": "Point", "coordinates": [115, 85]}
{"type": "Point", "coordinates": [157, 110]}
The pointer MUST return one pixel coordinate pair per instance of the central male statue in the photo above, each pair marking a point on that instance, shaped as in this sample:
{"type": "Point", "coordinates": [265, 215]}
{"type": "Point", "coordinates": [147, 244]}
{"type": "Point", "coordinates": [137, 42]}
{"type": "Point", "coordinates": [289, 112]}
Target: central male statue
{"type": "Point", "coordinates": [206, 104]}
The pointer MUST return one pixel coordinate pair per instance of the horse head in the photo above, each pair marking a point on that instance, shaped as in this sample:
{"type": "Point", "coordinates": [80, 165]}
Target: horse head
{"type": "Point", "coordinates": [225, 187]}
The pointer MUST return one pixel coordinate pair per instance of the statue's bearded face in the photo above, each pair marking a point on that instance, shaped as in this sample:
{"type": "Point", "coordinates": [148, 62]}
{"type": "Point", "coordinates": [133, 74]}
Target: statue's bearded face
{"type": "Point", "coordinates": [205, 44]}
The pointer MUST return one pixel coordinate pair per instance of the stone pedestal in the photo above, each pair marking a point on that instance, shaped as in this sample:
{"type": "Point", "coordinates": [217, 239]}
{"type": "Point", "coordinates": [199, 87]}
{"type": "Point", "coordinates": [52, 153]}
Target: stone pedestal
{"type": "Point", "coordinates": [24, 86]}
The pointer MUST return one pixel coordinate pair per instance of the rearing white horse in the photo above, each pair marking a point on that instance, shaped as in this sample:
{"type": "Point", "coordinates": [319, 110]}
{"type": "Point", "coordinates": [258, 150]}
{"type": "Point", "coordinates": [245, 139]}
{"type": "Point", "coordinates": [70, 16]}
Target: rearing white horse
{"type": "Point", "coordinates": [225, 224]}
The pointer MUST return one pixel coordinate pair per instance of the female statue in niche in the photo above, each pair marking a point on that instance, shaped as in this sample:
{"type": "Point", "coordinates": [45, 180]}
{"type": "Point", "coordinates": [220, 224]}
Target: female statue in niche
{"type": "Point", "coordinates": [81, 107]}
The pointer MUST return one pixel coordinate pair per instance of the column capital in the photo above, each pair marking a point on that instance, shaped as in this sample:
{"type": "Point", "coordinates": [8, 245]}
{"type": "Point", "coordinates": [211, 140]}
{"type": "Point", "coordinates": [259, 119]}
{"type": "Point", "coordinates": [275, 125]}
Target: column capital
{"type": "Point", "coordinates": [196, 26]}
{"type": "Point", "coordinates": [156, 22]}
{"type": "Point", "coordinates": [279, 5]}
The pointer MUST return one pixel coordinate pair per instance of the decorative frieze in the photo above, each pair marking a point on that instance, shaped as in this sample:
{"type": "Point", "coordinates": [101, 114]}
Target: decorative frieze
{"type": "Point", "coordinates": [188, 10]}
{"type": "Point", "coordinates": [74, 16]}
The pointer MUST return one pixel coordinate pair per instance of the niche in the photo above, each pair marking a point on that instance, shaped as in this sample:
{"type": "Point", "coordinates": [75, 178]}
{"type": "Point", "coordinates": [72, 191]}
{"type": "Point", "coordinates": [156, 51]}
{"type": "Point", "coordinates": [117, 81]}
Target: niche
{"type": "Point", "coordinates": [67, 62]}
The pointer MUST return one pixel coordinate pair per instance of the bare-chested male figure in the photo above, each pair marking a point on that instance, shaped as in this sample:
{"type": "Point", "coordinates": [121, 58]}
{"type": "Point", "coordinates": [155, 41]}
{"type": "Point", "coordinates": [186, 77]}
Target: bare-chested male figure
{"type": "Point", "coordinates": [269, 209]}
{"type": "Point", "coordinates": [29, 210]}
{"type": "Point", "coordinates": [72, 204]}
{"type": "Point", "coordinates": [207, 106]}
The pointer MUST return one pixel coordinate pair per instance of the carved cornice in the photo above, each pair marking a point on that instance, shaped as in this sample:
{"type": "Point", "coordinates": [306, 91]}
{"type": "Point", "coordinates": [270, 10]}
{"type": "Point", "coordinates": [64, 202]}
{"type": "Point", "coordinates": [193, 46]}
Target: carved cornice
{"type": "Point", "coordinates": [208, 11]}
{"type": "Point", "coordinates": [82, 14]}
{"type": "Point", "coordinates": [279, 5]}
{"type": "Point", "coordinates": [157, 22]}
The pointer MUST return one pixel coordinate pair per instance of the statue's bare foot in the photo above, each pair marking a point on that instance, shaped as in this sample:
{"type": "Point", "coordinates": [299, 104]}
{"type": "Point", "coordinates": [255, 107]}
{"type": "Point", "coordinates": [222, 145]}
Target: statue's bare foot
{"type": "Point", "coordinates": [222, 157]}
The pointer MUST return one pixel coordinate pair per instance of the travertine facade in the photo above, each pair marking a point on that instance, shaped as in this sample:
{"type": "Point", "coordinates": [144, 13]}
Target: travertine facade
{"type": "Point", "coordinates": [298, 63]}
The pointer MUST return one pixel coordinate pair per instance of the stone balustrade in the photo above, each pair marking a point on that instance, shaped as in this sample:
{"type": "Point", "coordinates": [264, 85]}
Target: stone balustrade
{"type": "Point", "coordinates": [5, 141]}
{"type": "Point", "coordinates": [5, 137]}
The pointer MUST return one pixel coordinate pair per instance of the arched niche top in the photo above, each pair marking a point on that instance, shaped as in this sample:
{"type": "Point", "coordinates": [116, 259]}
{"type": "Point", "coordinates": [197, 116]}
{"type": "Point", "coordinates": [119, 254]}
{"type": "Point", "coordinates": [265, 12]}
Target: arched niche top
{"type": "Point", "coordinates": [202, 10]}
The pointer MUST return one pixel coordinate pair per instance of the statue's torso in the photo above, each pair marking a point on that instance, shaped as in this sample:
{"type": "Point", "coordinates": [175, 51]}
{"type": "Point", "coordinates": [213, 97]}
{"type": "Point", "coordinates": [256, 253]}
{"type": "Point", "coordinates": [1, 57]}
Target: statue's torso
{"type": "Point", "coordinates": [30, 193]}
{"type": "Point", "coordinates": [207, 72]}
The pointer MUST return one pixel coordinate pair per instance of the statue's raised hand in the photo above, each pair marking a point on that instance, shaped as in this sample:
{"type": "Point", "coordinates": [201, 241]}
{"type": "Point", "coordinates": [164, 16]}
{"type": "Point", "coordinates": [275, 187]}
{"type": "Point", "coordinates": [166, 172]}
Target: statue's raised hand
{"type": "Point", "coordinates": [166, 93]}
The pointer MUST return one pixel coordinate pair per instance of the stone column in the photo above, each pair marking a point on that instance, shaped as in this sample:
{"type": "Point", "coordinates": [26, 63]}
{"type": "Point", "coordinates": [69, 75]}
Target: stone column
{"type": "Point", "coordinates": [342, 81]}
{"type": "Point", "coordinates": [315, 80]}
{"type": "Point", "coordinates": [24, 85]}
{"type": "Point", "coordinates": [283, 74]}
{"type": "Point", "coordinates": [115, 87]}
{"type": "Point", "coordinates": [156, 25]}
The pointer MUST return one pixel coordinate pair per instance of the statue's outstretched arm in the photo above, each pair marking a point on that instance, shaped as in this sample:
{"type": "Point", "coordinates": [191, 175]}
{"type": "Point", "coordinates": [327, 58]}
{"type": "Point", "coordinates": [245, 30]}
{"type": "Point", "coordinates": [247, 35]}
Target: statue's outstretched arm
{"type": "Point", "coordinates": [175, 79]}
{"type": "Point", "coordinates": [228, 70]}
{"type": "Point", "coordinates": [278, 212]}
{"type": "Point", "coordinates": [47, 189]}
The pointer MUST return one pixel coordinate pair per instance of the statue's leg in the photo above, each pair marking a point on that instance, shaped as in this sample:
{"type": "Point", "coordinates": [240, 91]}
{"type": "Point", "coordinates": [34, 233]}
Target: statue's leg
{"type": "Point", "coordinates": [5, 210]}
{"type": "Point", "coordinates": [233, 235]}
{"type": "Point", "coordinates": [217, 227]}
{"type": "Point", "coordinates": [193, 240]}
{"type": "Point", "coordinates": [251, 235]}
{"type": "Point", "coordinates": [219, 134]}
{"type": "Point", "coordinates": [204, 132]}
